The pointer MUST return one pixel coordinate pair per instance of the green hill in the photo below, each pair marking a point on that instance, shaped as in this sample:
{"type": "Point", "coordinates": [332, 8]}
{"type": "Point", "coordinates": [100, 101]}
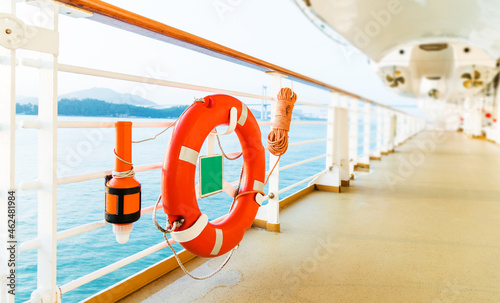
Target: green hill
{"type": "Point", "coordinates": [99, 108]}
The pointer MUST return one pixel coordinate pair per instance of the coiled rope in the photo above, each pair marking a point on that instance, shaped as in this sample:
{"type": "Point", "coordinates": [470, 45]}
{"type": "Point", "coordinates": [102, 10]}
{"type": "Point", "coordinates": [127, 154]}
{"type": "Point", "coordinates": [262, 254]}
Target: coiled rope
{"type": "Point", "coordinates": [277, 140]}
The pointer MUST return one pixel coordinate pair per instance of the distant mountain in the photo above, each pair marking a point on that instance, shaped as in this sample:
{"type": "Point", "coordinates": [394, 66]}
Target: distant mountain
{"type": "Point", "coordinates": [26, 100]}
{"type": "Point", "coordinates": [97, 93]}
{"type": "Point", "coordinates": [109, 96]}
{"type": "Point", "coordinates": [99, 108]}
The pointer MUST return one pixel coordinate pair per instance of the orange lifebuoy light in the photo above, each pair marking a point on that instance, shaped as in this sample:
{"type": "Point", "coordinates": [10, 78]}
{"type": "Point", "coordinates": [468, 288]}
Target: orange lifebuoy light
{"type": "Point", "coordinates": [123, 191]}
{"type": "Point", "coordinates": [196, 234]}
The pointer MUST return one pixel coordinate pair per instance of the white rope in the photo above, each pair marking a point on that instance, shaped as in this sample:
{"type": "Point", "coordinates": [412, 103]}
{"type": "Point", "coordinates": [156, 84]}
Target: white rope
{"type": "Point", "coordinates": [222, 150]}
{"type": "Point", "coordinates": [176, 225]}
{"type": "Point", "coordinates": [196, 100]}
{"type": "Point", "coordinates": [153, 138]}
{"type": "Point", "coordinates": [123, 174]}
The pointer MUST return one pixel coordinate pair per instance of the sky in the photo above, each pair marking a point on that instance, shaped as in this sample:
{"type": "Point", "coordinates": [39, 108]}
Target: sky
{"type": "Point", "coordinates": [275, 31]}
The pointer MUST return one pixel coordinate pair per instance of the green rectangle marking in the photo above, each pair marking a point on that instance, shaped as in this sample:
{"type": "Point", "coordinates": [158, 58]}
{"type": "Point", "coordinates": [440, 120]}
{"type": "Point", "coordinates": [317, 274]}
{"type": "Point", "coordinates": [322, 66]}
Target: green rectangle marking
{"type": "Point", "coordinates": [211, 175]}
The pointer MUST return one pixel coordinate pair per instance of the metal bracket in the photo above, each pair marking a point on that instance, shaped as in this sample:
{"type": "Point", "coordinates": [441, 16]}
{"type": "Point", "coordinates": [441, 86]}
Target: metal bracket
{"type": "Point", "coordinates": [15, 34]}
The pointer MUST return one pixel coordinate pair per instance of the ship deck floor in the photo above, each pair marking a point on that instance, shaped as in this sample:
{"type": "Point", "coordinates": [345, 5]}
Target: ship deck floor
{"type": "Point", "coordinates": [422, 226]}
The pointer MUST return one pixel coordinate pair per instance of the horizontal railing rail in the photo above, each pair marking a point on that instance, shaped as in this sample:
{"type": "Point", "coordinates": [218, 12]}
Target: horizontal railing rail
{"type": "Point", "coordinates": [300, 182]}
{"type": "Point", "coordinates": [302, 162]}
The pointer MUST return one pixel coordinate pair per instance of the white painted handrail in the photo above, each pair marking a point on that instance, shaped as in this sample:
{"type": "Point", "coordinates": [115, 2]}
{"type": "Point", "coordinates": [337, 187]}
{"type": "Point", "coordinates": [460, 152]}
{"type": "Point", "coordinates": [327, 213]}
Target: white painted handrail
{"type": "Point", "coordinates": [35, 243]}
{"type": "Point", "coordinates": [102, 174]}
{"type": "Point", "coordinates": [300, 182]}
{"type": "Point", "coordinates": [282, 168]}
{"type": "Point", "coordinates": [112, 267]}
{"type": "Point", "coordinates": [306, 142]}
{"type": "Point", "coordinates": [96, 124]}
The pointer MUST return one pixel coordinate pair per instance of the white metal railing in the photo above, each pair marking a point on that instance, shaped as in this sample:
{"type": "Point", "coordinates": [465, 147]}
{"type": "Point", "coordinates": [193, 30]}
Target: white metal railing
{"type": "Point", "coordinates": [342, 126]}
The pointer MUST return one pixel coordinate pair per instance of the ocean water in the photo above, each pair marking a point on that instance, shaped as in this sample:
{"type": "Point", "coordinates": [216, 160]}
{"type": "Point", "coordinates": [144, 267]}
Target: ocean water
{"type": "Point", "coordinates": [90, 150]}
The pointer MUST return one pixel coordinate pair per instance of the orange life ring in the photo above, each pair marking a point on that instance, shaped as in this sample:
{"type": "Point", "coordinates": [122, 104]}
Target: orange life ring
{"type": "Point", "coordinates": [197, 235]}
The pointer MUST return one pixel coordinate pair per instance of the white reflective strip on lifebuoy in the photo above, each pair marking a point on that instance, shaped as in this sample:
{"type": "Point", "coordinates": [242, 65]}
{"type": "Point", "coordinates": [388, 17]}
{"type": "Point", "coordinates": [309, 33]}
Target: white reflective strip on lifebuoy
{"type": "Point", "coordinates": [189, 155]}
{"type": "Point", "coordinates": [218, 241]}
{"type": "Point", "coordinates": [257, 185]}
{"type": "Point", "coordinates": [233, 114]}
{"type": "Point", "coordinates": [192, 232]}
{"type": "Point", "coordinates": [244, 114]}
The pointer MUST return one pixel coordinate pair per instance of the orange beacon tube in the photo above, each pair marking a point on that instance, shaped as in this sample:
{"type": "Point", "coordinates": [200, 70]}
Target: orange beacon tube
{"type": "Point", "coordinates": [123, 191]}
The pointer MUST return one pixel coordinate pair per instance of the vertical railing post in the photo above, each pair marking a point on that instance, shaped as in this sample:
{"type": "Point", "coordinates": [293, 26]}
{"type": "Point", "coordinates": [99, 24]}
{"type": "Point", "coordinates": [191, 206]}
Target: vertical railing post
{"type": "Point", "coordinates": [409, 126]}
{"type": "Point", "coordinates": [353, 134]}
{"type": "Point", "coordinates": [379, 133]}
{"type": "Point", "coordinates": [342, 134]}
{"type": "Point", "coordinates": [330, 133]}
{"type": "Point", "coordinates": [466, 114]}
{"type": "Point", "coordinates": [409, 122]}
{"type": "Point", "coordinates": [47, 290]}
{"type": "Point", "coordinates": [398, 126]}
{"type": "Point", "coordinates": [273, 206]}
{"type": "Point", "coordinates": [365, 159]}
{"type": "Point", "coordinates": [7, 152]}
{"type": "Point", "coordinates": [406, 127]}
{"type": "Point", "coordinates": [330, 181]}
{"type": "Point", "coordinates": [392, 129]}
{"type": "Point", "coordinates": [385, 131]}
{"type": "Point", "coordinates": [343, 101]}
{"type": "Point", "coordinates": [400, 129]}
{"type": "Point", "coordinates": [342, 137]}
{"type": "Point", "coordinates": [480, 115]}
{"type": "Point", "coordinates": [472, 117]}
{"type": "Point", "coordinates": [398, 139]}
{"type": "Point", "coordinates": [413, 124]}
{"type": "Point", "coordinates": [476, 120]}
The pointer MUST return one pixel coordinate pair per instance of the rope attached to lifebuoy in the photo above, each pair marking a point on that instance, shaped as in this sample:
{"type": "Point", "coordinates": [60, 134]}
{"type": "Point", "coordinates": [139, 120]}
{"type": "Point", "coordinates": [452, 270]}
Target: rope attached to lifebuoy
{"type": "Point", "coordinates": [277, 140]}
